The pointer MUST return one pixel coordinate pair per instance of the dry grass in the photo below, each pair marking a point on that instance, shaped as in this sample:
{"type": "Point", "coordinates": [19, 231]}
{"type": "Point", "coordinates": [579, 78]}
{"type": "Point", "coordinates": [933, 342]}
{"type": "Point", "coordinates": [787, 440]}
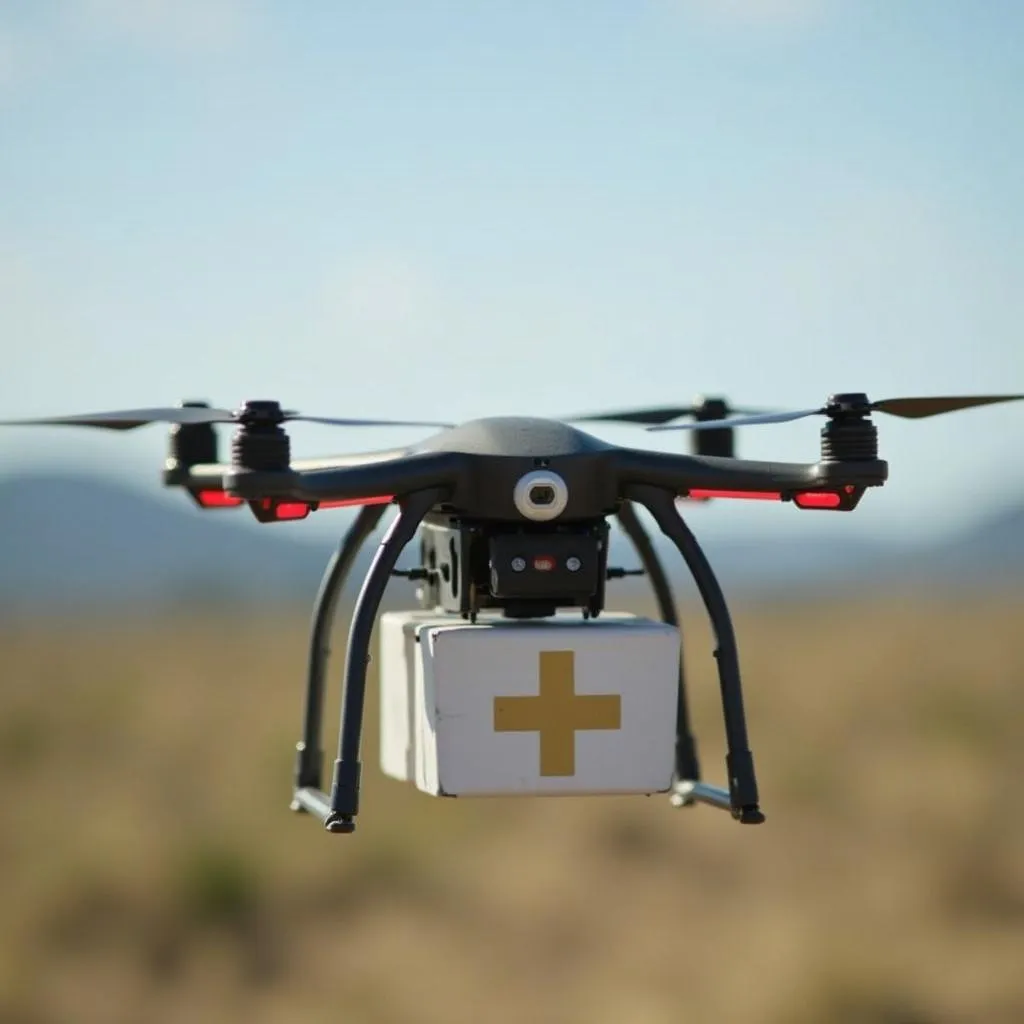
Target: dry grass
{"type": "Point", "coordinates": [150, 870]}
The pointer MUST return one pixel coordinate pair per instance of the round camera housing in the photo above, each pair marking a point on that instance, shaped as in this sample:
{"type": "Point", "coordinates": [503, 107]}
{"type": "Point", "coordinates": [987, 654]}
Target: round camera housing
{"type": "Point", "coordinates": [541, 495]}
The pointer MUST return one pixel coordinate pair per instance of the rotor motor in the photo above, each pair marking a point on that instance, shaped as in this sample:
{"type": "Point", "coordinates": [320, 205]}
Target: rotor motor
{"type": "Point", "coordinates": [720, 443]}
{"type": "Point", "coordinates": [260, 442]}
{"type": "Point", "coordinates": [190, 444]}
{"type": "Point", "coordinates": [849, 435]}
{"type": "Point", "coordinates": [193, 444]}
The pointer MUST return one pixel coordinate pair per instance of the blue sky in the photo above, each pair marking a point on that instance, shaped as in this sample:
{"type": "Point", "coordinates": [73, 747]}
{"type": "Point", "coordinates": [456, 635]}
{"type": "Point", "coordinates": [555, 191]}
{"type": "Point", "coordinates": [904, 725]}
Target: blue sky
{"type": "Point", "coordinates": [446, 210]}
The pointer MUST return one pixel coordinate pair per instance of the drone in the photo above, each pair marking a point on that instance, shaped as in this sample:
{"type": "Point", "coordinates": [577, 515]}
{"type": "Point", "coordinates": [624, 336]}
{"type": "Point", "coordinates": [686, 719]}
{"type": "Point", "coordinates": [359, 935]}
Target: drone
{"type": "Point", "coordinates": [512, 515]}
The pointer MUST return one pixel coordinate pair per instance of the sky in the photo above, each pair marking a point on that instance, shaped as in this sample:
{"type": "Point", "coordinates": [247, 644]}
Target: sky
{"type": "Point", "coordinates": [443, 211]}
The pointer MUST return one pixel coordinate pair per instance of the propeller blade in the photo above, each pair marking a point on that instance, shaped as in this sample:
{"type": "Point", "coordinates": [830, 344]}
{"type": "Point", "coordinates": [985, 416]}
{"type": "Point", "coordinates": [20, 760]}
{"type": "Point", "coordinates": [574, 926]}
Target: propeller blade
{"type": "Point", "coordinates": [656, 414]}
{"type": "Point", "coordinates": [919, 408]}
{"type": "Point", "coordinates": [741, 421]}
{"type": "Point", "coordinates": [130, 419]}
{"type": "Point", "coordinates": [330, 421]}
{"type": "Point", "coordinates": [641, 416]}
{"type": "Point", "coordinates": [907, 408]}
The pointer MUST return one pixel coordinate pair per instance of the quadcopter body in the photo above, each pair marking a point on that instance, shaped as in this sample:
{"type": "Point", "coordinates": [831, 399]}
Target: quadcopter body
{"type": "Point", "coordinates": [513, 516]}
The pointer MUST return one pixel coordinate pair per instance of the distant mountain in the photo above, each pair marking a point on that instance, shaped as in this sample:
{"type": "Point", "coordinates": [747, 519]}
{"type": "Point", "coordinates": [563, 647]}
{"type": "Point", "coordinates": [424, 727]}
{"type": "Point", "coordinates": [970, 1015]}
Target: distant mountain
{"type": "Point", "coordinates": [991, 551]}
{"type": "Point", "coordinates": [77, 541]}
{"type": "Point", "coordinates": [73, 540]}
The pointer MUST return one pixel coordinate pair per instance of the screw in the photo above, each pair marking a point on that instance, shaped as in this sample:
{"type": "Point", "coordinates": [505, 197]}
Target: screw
{"type": "Point", "coordinates": [518, 564]}
{"type": "Point", "coordinates": [573, 564]}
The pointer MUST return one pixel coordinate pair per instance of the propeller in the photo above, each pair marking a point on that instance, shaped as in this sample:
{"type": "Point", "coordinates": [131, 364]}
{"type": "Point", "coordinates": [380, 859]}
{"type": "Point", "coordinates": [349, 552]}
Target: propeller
{"type": "Point", "coordinates": [717, 408]}
{"type": "Point", "coordinates": [130, 419]}
{"type": "Point", "coordinates": [905, 408]}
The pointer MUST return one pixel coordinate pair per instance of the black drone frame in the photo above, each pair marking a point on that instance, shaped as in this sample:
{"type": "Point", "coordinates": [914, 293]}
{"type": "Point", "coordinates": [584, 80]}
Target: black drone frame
{"type": "Point", "coordinates": [470, 474]}
{"type": "Point", "coordinates": [491, 483]}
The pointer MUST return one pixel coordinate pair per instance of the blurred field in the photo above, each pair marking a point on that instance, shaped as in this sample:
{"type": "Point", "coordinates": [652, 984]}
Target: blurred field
{"type": "Point", "coordinates": [150, 870]}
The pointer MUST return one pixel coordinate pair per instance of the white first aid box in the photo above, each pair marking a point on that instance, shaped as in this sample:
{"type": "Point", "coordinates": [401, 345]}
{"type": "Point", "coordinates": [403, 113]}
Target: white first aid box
{"type": "Point", "coordinates": [552, 707]}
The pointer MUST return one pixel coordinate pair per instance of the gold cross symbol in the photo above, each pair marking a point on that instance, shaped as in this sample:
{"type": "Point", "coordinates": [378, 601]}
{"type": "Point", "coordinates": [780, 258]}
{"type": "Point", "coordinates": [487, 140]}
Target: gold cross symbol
{"type": "Point", "coordinates": [556, 713]}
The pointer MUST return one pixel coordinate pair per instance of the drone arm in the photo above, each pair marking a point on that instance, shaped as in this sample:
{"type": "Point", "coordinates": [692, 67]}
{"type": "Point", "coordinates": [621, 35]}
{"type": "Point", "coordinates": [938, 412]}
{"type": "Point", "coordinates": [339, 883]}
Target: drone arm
{"type": "Point", "coordinates": [389, 477]}
{"type": "Point", "coordinates": [687, 765]}
{"type": "Point", "coordinates": [201, 477]}
{"type": "Point", "coordinates": [743, 796]}
{"type": "Point", "coordinates": [310, 751]}
{"type": "Point", "coordinates": [682, 474]}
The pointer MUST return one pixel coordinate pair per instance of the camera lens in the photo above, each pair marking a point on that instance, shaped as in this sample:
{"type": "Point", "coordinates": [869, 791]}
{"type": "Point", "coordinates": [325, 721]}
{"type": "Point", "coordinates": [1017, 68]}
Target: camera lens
{"type": "Point", "coordinates": [541, 495]}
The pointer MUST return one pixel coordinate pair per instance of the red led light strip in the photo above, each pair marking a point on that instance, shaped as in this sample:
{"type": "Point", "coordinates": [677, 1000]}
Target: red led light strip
{"type": "Point", "coordinates": [748, 495]}
{"type": "Point", "coordinates": [217, 499]}
{"type": "Point", "coordinates": [287, 509]}
{"type": "Point", "coordinates": [283, 511]}
{"type": "Point", "coordinates": [380, 499]}
{"type": "Point", "coordinates": [804, 499]}
{"type": "Point", "coordinates": [817, 499]}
